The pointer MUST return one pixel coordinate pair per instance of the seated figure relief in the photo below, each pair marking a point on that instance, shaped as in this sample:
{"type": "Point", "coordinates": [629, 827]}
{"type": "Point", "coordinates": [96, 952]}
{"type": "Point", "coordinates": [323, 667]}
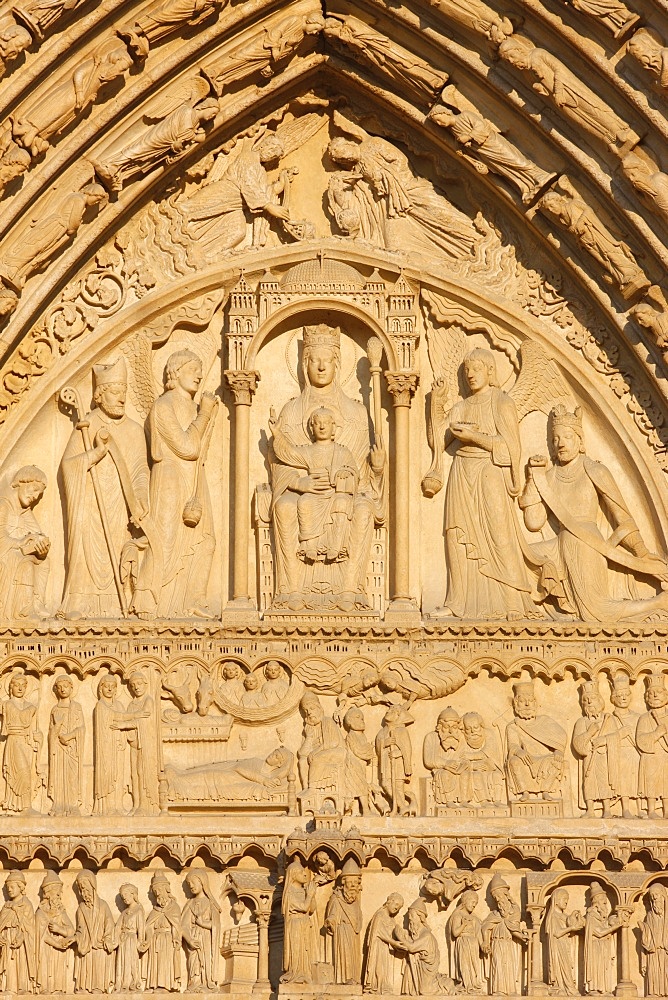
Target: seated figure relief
{"type": "Point", "coordinates": [328, 494]}
{"type": "Point", "coordinates": [574, 567]}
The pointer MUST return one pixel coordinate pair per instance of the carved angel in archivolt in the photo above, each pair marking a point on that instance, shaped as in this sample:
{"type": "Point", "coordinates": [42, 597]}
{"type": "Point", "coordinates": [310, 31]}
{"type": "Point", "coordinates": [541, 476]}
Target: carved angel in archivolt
{"type": "Point", "coordinates": [181, 118]}
{"type": "Point", "coordinates": [237, 188]}
{"type": "Point", "coordinates": [487, 557]}
{"type": "Point", "coordinates": [377, 196]}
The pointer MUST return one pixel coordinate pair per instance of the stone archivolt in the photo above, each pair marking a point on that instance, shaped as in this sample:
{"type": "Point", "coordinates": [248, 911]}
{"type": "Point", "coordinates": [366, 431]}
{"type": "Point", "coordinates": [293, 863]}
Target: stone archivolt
{"type": "Point", "coordinates": [333, 535]}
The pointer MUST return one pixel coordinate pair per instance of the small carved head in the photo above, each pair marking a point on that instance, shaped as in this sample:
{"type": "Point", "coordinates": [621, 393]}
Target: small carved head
{"type": "Point", "coordinates": [474, 729]}
{"type": "Point", "coordinates": [183, 369]}
{"type": "Point", "coordinates": [110, 386]}
{"type": "Point", "coordinates": [468, 900]}
{"type": "Point", "coordinates": [231, 670]}
{"type": "Point", "coordinates": [129, 893]}
{"type": "Point", "coordinates": [480, 369]}
{"type": "Point", "coordinates": [62, 688]}
{"type": "Point", "coordinates": [344, 151]}
{"type": "Point", "coordinates": [592, 702]}
{"type": "Point", "coordinates": [86, 883]}
{"type": "Point", "coordinates": [657, 897]}
{"type": "Point", "coordinates": [560, 898]}
{"type": "Point", "coordinates": [273, 670]}
{"type": "Point", "coordinates": [517, 51]}
{"type": "Point", "coordinates": [567, 433]}
{"type": "Point", "coordinates": [620, 695]}
{"type": "Point", "coordinates": [322, 355]}
{"type": "Point", "coordinates": [29, 483]}
{"type": "Point", "coordinates": [656, 695]}
{"type": "Point", "coordinates": [51, 888]}
{"type": "Point", "coordinates": [645, 46]}
{"type": "Point", "coordinates": [13, 41]}
{"type": "Point", "coordinates": [107, 686]}
{"type": "Point", "coordinates": [524, 700]}
{"type": "Point", "coordinates": [18, 685]}
{"type": "Point", "coordinates": [353, 720]}
{"type": "Point", "coordinates": [417, 917]}
{"type": "Point", "coordinates": [449, 728]}
{"type": "Point", "coordinates": [15, 884]}
{"type": "Point", "coordinates": [270, 149]}
{"type": "Point", "coordinates": [322, 424]}
{"type": "Point", "coordinates": [394, 903]}
{"type": "Point", "coordinates": [311, 709]}
{"type": "Point", "coordinates": [252, 682]}
{"type": "Point", "coordinates": [137, 683]}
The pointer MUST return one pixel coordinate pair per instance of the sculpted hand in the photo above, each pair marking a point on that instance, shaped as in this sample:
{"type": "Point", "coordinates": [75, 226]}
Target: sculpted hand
{"type": "Point", "coordinates": [538, 462]}
{"type": "Point", "coordinates": [42, 545]}
{"type": "Point", "coordinates": [377, 458]}
{"type": "Point", "coordinates": [317, 482]}
{"type": "Point", "coordinates": [465, 433]}
{"type": "Point", "coordinates": [273, 419]}
{"type": "Point", "coordinates": [277, 211]}
{"type": "Point", "coordinates": [100, 445]}
{"type": "Point", "coordinates": [208, 403]}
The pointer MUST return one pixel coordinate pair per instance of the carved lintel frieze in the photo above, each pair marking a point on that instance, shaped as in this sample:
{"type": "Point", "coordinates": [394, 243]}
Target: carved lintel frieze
{"type": "Point", "coordinates": [402, 386]}
{"type": "Point", "coordinates": [242, 385]}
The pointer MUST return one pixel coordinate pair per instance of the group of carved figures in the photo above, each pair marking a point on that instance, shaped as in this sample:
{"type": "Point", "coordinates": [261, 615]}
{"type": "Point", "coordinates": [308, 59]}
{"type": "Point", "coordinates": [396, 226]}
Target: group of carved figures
{"type": "Point", "coordinates": [133, 952]}
{"type": "Point", "coordinates": [324, 939]}
{"type": "Point", "coordinates": [126, 552]}
{"type": "Point", "coordinates": [140, 540]}
{"type": "Point", "coordinates": [485, 955]}
{"type": "Point", "coordinates": [471, 768]}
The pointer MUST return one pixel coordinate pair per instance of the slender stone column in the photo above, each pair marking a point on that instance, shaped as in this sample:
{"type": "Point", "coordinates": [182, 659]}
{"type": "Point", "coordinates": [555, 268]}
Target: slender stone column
{"type": "Point", "coordinates": [535, 976]}
{"type": "Point", "coordinates": [262, 983]}
{"type": "Point", "coordinates": [402, 386]}
{"type": "Point", "coordinates": [625, 987]}
{"type": "Point", "coordinates": [243, 385]}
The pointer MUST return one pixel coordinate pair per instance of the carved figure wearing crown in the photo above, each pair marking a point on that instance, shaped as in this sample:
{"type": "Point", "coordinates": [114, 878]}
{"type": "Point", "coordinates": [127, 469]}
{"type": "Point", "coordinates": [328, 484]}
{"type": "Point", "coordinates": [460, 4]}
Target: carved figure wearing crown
{"type": "Point", "coordinates": [105, 479]}
{"type": "Point", "coordinates": [327, 494]}
{"type": "Point", "coordinates": [578, 492]}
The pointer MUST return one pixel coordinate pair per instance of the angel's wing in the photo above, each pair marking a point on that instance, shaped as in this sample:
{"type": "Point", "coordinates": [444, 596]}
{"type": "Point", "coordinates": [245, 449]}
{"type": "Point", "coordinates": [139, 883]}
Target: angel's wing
{"type": "Point", "coordinates": [446, 346]}
{"type": "Point", "coordinates": [139, 353]}
{"type": "Point", "coordinates": [350, 128]}
{"type": "Point", "coordinates": [540, 383]}
{"type": "Point", "coordinates": [187, 91]}
{"type": "Point", "coordinates": [295, 132]}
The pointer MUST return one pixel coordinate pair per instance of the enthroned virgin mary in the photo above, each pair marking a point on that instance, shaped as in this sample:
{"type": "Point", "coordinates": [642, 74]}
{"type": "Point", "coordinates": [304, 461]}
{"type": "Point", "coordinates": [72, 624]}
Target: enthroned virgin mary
{"type": "Point", "coordinates": [329, 580]}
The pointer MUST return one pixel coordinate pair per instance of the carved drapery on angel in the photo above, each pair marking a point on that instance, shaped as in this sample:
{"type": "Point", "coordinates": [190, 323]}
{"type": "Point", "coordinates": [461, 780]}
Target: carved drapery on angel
{"type": "Point", "coordinates": [378, 51]}
{"type": "Point", "coordinates": [651, 52]}
{"type": "Point", "coordinates": [63, 103]}
{"type": "Point", "coordinates": [487, 557]}
{"type": "Point", "coordinates": [213, 219]}
{"type": "Point", "coordinates": [380, 199]}
{"type": "Point", "coordinates": [484, 145]}
{"type": "Point", "coordinates": [570, 95]}
{"type": "Point", "coordinates": [165, 19]}
{"type": "Point", "coordinates": [182, 116]}
{"type": "Point", "coordinates": [266, 54]}
{"type": "Point", "coordinates": [327, 494]}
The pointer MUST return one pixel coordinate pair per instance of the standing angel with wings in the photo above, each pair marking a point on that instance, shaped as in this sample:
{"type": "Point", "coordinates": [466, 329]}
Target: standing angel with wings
{"type": "Point", "coordinates": [486, 553]}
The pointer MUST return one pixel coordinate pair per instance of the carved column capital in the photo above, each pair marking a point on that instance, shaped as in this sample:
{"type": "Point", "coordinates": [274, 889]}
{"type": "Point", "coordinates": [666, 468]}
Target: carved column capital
{"type": "Point", "coordinates": [243, 385]}
{"type": "Point", "coordinates": [402, 386]}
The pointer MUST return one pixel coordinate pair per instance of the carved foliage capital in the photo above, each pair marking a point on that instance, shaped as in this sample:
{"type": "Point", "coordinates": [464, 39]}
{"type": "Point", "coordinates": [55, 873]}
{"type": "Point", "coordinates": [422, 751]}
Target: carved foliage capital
{"type": "Point", "coordinates": [402, 386]}
{"type": "Point", "coordinates": [243, 385]}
